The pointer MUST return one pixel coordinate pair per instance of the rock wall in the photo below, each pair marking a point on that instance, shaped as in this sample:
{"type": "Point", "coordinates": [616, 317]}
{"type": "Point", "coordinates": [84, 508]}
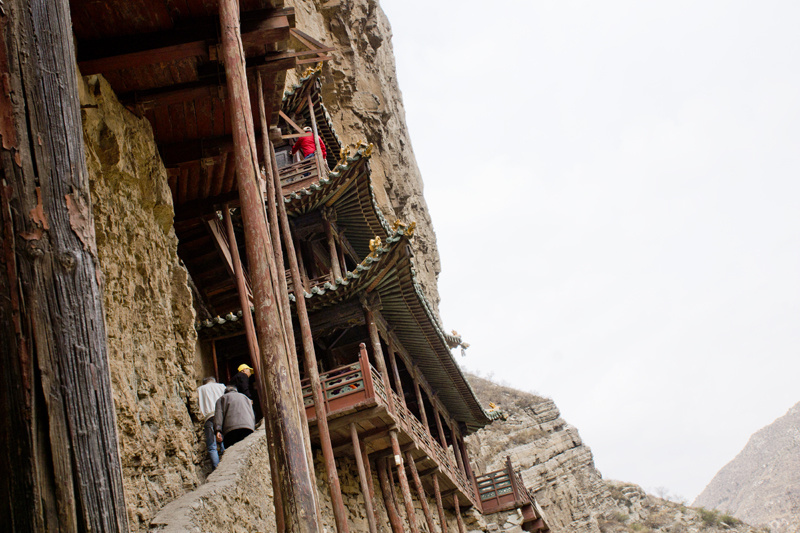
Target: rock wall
{"type": "Point", "coordinates": [761, 485]}
{"type": "Point", "coordinates": [559, 470]}
{"type": "Point", "coordinates": [148, 305]}
{"type": "Point", "coordinates": [362, 96]}
{"type": "Point", "coordinates": [238, 497]}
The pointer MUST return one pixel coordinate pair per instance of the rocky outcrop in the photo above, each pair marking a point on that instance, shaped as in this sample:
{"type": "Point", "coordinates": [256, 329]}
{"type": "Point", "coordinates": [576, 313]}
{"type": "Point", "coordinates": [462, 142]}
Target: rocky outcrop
{"type": "Point", "coordinates": [362, 96]}
{"type": "Point", "coordinates": [761, 485]}
{"type": "Point", "coordinates": [558, 469]}
{"type": "Point", "coordinates": [148, 305]}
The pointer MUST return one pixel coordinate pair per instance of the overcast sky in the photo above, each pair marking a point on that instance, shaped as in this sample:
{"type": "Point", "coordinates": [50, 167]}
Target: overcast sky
{"type": "Point", "coordinates": [614, 187]}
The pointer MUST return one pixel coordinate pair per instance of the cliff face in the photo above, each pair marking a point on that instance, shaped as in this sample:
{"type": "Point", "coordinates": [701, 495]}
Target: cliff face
{"type": "Point", "coordinates": [559, 470]}
{"type": "Point", "coordinates": [148, 305]}
{"type": "Point", "coordinates": [361, 93]}
{"type": "Point", "coordinates": [761, 485]}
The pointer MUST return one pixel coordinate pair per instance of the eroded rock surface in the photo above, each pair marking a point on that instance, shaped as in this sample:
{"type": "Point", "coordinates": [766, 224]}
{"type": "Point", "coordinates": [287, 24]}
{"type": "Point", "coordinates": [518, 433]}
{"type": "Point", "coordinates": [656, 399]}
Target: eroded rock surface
{"type": "Point", "coordinates": [148, 305]}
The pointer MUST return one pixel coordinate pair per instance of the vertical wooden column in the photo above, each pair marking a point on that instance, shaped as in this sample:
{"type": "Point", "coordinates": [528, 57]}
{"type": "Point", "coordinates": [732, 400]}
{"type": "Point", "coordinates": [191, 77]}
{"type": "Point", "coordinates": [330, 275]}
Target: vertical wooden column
{"type": "Point", "coordinates": [327, 215]}
{"type": "Point", "coordinates": [396, 373]}
{"type": "Point", "coordinates": [362, 476]}
{"type": "Point", "coordinates": [456, 451]}
{"type": "Point", "coordinates": [368, 471]}
{"type": "Point", "coordinates": [255, 360]}
{"type": "Point", "coordinates": [388, 491]}
{"type": "Point", "coordinates": [398, 455]}
{"type": "Point", "coordinates": [321, 165]}
{"type": "Point", "coordinates": [303, 273]}
{"type": "Point", "coordinates": [423, 499]}
{"type": "Point", "coordinates": [59, 459]}
{"type": "Point", "coordinates": [459, 519]}
{"type": "Point", "coordinates": [439, 507]}
{"type": "Point", "coordinates": [298, 490]}
{"type": "Point", "coordinates": [310, 358]}
{"type": "Point", "coordinates": [342, 262]}
{"type": "Point", "coordinates": [421, 404]}
{"type": "Point", "coordinates": [438, 417]}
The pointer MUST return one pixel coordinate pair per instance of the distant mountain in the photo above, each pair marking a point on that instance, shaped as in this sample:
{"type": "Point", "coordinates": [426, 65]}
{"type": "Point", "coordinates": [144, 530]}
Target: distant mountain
{"type": "Point", "coordinates": [762, 484]}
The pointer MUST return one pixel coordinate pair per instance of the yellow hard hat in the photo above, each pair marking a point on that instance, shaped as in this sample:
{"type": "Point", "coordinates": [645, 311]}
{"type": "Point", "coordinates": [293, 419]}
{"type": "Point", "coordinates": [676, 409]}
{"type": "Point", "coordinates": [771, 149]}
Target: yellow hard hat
{"type": "Point", "coordinates": [244, 366]}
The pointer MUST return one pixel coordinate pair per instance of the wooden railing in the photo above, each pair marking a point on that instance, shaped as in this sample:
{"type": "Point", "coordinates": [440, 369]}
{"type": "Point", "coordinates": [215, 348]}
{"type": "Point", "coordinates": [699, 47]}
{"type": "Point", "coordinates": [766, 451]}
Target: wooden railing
{"type": "Point", "coordinates": [349, 385]}
{"type": "Point", "coordinates": [299, 175]}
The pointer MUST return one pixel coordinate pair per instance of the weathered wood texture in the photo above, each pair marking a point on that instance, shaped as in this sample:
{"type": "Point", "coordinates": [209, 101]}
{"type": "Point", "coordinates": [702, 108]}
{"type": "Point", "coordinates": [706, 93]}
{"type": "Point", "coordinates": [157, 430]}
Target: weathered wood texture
{"type": "Point", "coordinates": [60, 464]}
{"type": "Point", "coordinates": [296, 475]}
{"type": "Point", "coordinates": [388, 497]}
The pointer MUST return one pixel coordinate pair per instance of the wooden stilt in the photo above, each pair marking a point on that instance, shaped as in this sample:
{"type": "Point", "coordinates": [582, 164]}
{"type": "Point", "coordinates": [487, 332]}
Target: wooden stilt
{"type": "Point", "coordinates": [310, 359]}
{"type": "Point", "coordinates": [442, 439]}
{"type": "Point", "coordinates": [420, 492]}
{"type": "Point", "coordinates": [59, 459]}
{"type": "Point", "coordinates": [421, 403]}
{"type": "Point", "coordinates": [404, 488]}
{"type": "Point", "coordinates": [439, 507]}
{"type": "Point", "coordinates": [295, 474]}
{"type": "Point", "coordinates": [368, 471]}
{"type": "Point", "coordinates": [380, 361]}
{"type": "Point", "coordinates": [214, 358]}
{"type": "Point", "coordinates": [459, 519]}
{"type": "Point", "coordinates": [396, 373]}
{"type": "Point", "coordinates": [335, 270]}
{"type": "Point", "coordinates": [321, 165]}
{"type": "Point", "coordinates": [362, 476]}
{"type": "Point", "coordinates": [255, 360]}
{"type": "Point", "coordinates": [387, 490]}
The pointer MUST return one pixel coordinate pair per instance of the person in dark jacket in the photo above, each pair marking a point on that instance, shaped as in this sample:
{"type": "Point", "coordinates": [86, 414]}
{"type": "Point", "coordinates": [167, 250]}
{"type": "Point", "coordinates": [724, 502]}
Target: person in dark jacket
{"type": "Point", "coordinates": [307, 146]}
{"type": "Point", "coordinates": [233, 417]}
{"type": "Point", "coordinates": [242, 380]}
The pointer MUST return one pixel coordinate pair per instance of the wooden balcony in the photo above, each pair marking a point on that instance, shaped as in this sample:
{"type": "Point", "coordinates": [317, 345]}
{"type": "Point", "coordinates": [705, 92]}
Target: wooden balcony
{"type": "Point", "coordinates": [299, 175]}
{"type": "Point", "coordinates": [503, 490]}
{"type": "Point", "coordinates": [356, 394]}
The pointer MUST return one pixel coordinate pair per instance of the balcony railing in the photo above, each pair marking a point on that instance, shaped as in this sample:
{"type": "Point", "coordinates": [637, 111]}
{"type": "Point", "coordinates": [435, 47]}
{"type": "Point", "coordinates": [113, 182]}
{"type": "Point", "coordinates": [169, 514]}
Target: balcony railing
{"type": "Point", "coordinates": [344, 388]}
{"type": "Point", "coordinates": [503, 490]}
{"type": "Point", "coordinates": [299, 175]}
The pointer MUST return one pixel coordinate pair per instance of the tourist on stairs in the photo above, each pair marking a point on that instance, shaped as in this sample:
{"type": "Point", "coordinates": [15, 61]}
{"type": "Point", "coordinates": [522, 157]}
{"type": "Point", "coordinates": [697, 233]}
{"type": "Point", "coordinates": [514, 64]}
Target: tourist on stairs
{"type": "Point", "coordinates": [208, 394]}
{"type": "Point", "coordinates": [234, 418]}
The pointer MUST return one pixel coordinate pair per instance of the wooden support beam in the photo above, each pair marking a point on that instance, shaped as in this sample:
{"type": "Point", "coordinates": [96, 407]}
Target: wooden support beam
{"type": "Point", "coordinates": [362, 476]}
{"type": "Point", "coordinates": [428, 471]}
{"type": "Point", "coordinates": [192, 39]}
{"type": "Point", "coordinates": [59, 457]}
{"type": "Point", "coordinates": [459, 519]}
{"type": "Point", "coordinates": [309, 354]}
{"type": "Point", "coordinates": [388, 497]}
{"type": "Point", "coordinates": [396, 373]}
{"type": "Point", "coordinates": [297, 484]}
{"type": "Point", "coordinates": [327, 215]}
{"type": "Point", "coordinates": [439, 507]}
{"type": "Point", "coordinates": [423, 499]}
{"type": "Point", "coordinates": [404, 488]}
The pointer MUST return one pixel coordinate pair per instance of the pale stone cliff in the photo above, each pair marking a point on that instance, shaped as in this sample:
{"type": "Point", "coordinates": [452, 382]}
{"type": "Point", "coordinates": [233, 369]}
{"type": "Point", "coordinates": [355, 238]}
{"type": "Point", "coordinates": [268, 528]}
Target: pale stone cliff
{"type": "Point", "coordinates": [761, 485]}
{"type": "Point", "coordinates": [361, 93]}
{"type": "Point", "coordinates": [148, 305]}
{"type": "Point", "coordinates": [559, 470]}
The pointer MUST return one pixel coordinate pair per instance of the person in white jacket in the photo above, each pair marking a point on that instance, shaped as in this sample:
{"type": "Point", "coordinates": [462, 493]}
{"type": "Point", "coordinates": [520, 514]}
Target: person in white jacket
{"type": "Point", "coordinates": [209, 393]}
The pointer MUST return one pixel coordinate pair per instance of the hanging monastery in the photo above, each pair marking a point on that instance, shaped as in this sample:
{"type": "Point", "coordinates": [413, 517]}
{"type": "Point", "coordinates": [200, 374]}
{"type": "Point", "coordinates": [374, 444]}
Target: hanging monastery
{"type": "Point", "coordinates": [158, 230]}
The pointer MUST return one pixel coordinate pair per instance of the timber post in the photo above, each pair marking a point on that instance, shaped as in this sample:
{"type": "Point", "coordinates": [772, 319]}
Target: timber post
{"type": "Point", "coordinates": [252, 344]}
{"type": "Point", "coordinates": [396, 373]}
{"type": "Point", "coordinates": [404, 488]}
{"type": "Point", "coordinates": [298, 490]}
{"type": "Point", "coordinates": [310, 357]}
{"type": "Point", "coordinates": [328, 215]}
{"type": "Point", "coordinates": [420, 491]}
{"type": "Point", "coordinates": [388, 497]}
{"type": "Point", "coordinates": [362, 476]}
{"type": "Point", "coordinates": [317, 151]}
{"type": "Point", "coordinates": [439, 507]}
{"type": "Point", "coordinates": [459, 519]}
{"type": "Point", "coordinates": [59, 467]}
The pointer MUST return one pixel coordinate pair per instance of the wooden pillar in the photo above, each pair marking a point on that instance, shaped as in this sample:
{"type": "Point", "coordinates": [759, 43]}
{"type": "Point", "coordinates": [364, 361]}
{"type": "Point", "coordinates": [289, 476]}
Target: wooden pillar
{"type": "Point", "coordinates": [439, 506]}
{"type": "Point", "coordinates": [362, 476]}
{"type": "Point", "coordinates": [255, 360]}
{"type": "Point", "coordinates": [459, 519]}
{"type": "Point", "coordinates": [396, 373]}
{"type": "Point", "coordinates": [303, 273]}
{"type": "Point", "coordinates": [420, 491]}
{"type": "Point", "coordinates": [297, 486]}
{"type": "Point", "coordinates": [342, 262]}
{"type": "Point", "coordinates": [421, 404]}
{"type": "Point", "coordinates": [404, 488]}
{"type": "Point", "coordinates": [388, 490]}
{"type": "Point", "coordinates": [279, 272]}
{"type": "Point", "coordinates": [321, 165]}
{"type": "Point", "coordinates": [310, 358]}
{"type": "Point", "coordinates": [456, 452]}
{"type": "Point", "coordinates": [214, 358]}
{"type": "Point", "coordinates": [59, 458]}
{"type": "Point", "coordinates": [377, 351]}
{"type": "Point", "coordinates": [327, 214]}
{"type": "Point", "coordinates": [442, 438]}
{"type": "Point", "coordinates": [368, 471]}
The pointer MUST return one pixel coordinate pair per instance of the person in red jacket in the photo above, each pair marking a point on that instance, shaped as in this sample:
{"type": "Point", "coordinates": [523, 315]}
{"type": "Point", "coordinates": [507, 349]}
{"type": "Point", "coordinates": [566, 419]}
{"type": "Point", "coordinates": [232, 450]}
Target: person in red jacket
{"type": "Point", "coordinates": [306, 145]}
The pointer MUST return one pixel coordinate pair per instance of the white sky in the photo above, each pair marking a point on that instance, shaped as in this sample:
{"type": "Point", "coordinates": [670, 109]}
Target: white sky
{"type": "Point", "coordinates": [614, 187]}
